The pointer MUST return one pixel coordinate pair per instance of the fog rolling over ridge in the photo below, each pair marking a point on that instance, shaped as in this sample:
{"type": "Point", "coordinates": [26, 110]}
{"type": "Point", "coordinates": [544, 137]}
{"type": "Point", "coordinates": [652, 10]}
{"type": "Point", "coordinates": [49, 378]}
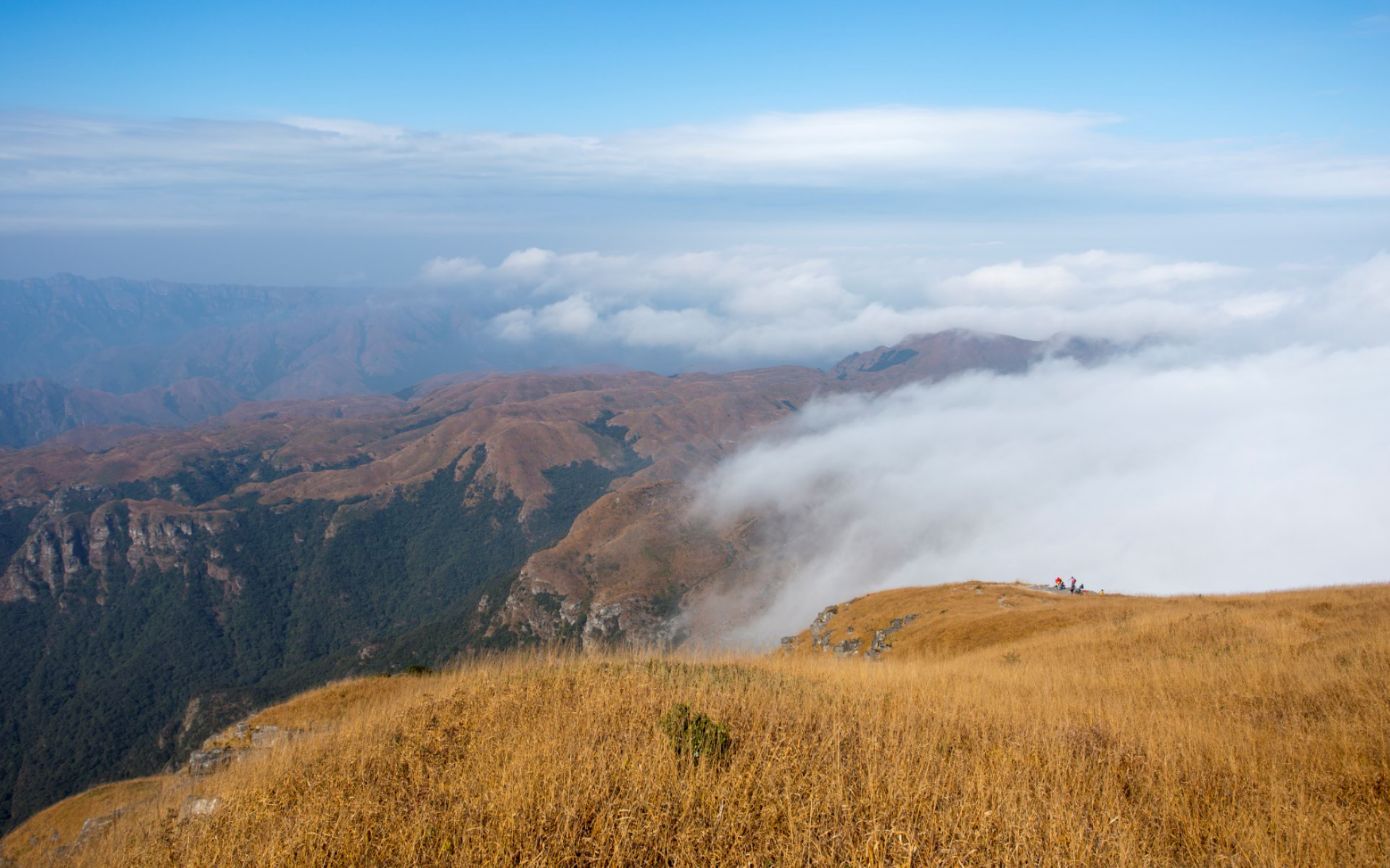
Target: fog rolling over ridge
{"type": "Point", "coordinates": [1151, 474]}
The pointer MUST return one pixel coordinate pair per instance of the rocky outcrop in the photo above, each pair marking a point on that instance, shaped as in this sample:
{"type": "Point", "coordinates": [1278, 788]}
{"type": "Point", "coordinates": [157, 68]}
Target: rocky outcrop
{"type": "Point", "coordinates": [79, 551]}
{"type": "Point", "coordinates": [881, 645]}
{"type": "Point", "coordinates": [242, 739]}
{"type": "Point", "coordinates": [198, 807]}
{"type": "Point", "coordinates": [820, 628]}
{"type": "Point", "coordinates": [822, 636]}
{"type": "Point", "coordinates": [94, 826]}
{"type": "Point", "coordinates": [205, 762]}
{"type": "Point", "coordinates": [622, 575]}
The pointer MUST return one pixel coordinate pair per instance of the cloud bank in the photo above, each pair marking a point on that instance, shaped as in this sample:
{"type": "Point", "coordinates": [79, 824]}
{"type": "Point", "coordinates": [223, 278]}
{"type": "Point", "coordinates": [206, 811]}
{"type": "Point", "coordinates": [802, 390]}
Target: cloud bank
{"type": "Point", "coordinates": [1247, 455]}
{"type": "Point", "coordinates": [1146, 475]}
{"type": "Point", "coordinates": [748, 306]}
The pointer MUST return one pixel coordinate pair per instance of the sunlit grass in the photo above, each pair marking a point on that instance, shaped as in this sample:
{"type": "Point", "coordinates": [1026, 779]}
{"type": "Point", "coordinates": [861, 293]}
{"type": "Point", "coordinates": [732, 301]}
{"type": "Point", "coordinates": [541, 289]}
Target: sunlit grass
{"type": "Point", "coordinates": [1196, 731]}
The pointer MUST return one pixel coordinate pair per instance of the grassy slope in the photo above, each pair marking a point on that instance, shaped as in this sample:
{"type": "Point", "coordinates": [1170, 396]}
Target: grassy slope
{"type": "Point", "coordinates": [1035, 728]}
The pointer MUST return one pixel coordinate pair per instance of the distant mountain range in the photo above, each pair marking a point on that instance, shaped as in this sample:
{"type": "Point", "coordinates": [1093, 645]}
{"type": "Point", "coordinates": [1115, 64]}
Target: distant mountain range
{"type": "Point", "coordinates": [155, 584]}
{"type": "Point", "coordinates": [79, 353]}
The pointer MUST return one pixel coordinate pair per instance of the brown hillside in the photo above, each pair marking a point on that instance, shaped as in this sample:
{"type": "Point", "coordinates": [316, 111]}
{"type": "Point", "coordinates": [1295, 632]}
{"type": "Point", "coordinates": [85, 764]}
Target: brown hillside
{"type": "Point", "coordinates": [1055, 731]}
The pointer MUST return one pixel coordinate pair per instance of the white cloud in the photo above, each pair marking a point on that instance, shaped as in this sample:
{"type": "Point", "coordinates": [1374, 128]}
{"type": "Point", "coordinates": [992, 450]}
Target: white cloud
{"type": "Point", "coordinates": [529, 264]}
{"type": "Point", "coordinates": [1266, 471]}
{"type": "Point", "coordinates": [758, 305]}
{"type": "Point", "coordinates": [570, 316]}
{"type": "Point", "coordinates": [1066, 275]}
{"type": "Point", "coordinates": [452, 269]}
{"type": "Point", "coordinates": [1015, 279]}
{"type": "Point", "coordinates": [347, 128]}
{"type": "Point", "coordinates": [1369, 282]}
{"type": "Point", "coordinates": [902, 137]}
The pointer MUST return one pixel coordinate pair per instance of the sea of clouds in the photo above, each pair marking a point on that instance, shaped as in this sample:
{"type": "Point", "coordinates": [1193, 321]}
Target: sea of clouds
{"type": "Point", "coordinates": [751, 305]}
{"type": "Point", "coordinates": [1250, 455]}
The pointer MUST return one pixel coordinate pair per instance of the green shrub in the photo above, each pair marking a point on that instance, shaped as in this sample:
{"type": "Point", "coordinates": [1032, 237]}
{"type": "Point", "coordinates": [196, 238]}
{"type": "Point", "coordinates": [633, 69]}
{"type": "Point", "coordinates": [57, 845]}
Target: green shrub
{"type": "Point", "coordinates": [694, 734]}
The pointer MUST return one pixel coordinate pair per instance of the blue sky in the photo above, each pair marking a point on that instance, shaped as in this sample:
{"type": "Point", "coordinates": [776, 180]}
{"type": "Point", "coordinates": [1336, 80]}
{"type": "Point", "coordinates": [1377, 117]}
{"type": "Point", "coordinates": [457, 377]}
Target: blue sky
{"type": "Point", "coordinates": [353, 143]}
{"type": "Point", "coordinates": [1173, 69]}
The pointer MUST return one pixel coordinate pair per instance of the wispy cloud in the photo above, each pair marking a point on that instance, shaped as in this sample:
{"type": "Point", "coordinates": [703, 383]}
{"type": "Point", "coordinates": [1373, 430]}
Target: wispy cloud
{"type": "Point", "coordinates": [82, 168]}
{"type": "Point", "coordinates": [1375, 23]}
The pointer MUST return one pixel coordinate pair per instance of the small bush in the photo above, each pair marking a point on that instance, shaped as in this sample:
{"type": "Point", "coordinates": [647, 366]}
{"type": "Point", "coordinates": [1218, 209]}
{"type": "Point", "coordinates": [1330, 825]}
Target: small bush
{"type": "Point", "coordinates": [694, 734]}
{"type": "Point", "coordinates": [418, 669]}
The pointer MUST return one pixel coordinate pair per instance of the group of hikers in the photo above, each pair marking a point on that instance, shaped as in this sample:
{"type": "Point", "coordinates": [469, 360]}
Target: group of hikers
{"type": "Point", "coordinates": [1060, 585]}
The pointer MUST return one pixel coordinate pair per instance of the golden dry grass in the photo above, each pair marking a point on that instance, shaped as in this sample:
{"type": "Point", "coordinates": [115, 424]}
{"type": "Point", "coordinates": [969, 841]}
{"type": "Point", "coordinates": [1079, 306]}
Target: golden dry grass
{"type": "Point", "coordinates": [319, 709]}
{"type": "Point", "coordinates": [1245, 730]}
{"type": "Point", "coordinates": [58, 826]}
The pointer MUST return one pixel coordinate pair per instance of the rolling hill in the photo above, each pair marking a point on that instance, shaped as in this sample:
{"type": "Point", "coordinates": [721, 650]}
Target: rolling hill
{"type": "Point", "coordinates": [1005, 725]}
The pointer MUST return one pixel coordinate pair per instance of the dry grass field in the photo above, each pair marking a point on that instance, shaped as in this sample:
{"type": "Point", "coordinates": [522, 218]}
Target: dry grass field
{"type": "Point", "coordinates": [1005, 726]}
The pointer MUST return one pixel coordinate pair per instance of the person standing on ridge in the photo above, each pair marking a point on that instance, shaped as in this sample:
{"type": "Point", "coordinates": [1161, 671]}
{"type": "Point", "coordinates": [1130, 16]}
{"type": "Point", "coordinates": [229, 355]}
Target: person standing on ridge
{"type": "Point", "coordinates": [1073, 584]}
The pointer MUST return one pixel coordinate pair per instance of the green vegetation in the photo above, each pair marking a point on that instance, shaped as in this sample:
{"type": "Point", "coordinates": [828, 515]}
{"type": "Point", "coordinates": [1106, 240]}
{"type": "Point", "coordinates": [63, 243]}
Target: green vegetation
{"type": "Point", "coordinates": [693, 734]}
{"type": "Point", "coordinates": [203, 479]}
{"type": "Point", "coordinates": [14, 527]}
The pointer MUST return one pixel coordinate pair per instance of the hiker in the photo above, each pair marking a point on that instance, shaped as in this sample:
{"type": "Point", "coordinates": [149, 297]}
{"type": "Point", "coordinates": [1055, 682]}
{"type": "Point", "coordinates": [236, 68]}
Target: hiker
{"type": "Point", "coordinates": [1073, 584]}
{"type": "Point", "coordinates": [1059, 584]}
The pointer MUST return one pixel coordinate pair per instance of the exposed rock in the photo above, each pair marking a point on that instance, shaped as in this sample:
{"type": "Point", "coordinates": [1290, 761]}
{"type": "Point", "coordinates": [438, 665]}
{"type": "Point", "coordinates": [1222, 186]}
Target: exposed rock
{"type": "Point", "coordinates": [622, 574]}
{"type": "Point", "coordinates": [195, 807]}
{"type": "Point", "coordinates": [847, 648]}
{"type": "Point", "coordinates": [205, 762]}
{"type": "Point", "coordinates": [820, 634]}
{"type": "Point", "coordinates": [65, 544]}
{"type": "Point", "coordinates": [267, 736]}
{"type": "Point", "coordinates": [93, 826]}
{"type": "Point", "coordinates": [881, 643]}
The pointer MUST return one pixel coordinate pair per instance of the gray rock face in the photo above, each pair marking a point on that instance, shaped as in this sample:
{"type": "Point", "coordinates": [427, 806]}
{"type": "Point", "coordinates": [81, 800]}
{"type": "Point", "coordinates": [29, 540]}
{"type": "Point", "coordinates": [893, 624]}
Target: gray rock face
{"type": "Point", "coordinates": [633, 622]}
{"type": "Point", "coordinates": [820, 632]}
{"type": "Point", "coordinates": [248, 738]}
{"type": "Point", "coordinates": [92, 827]}
{"type": "Point", "coordinates": [881, 643]}
{"type": "Point", "coordinates": [848, 648]}
{"type": "Point", "coordinates": [195, 807]}
{"type": "Point", "coordinates": [205, 762]}
{"type": "Point", "coordinates": [851, 645]}
{"type": "Point", "coordinates": [267, 736]}
{"type": "Point", "coordinates": [64, 544]}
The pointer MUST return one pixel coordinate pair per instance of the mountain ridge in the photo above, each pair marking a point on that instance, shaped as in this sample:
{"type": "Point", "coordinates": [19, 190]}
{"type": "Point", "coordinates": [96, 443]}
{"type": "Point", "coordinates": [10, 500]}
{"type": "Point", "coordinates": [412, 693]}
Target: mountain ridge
{"type": "Point", "coordinates": [296, 541]}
